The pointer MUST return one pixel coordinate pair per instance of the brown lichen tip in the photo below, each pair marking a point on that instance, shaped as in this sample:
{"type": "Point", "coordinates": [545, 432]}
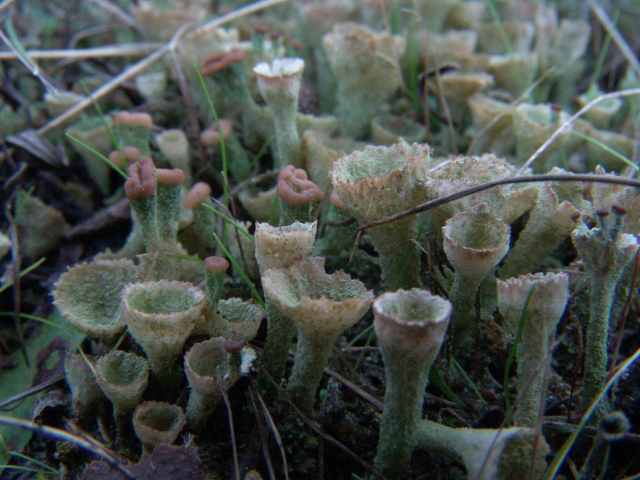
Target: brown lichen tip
{"type": "Point", "coordinates": [216, 264]}
{"type": "Point", "coordinates": [142, 179]}
{"type": "Point", "coordinates": [618, 210]}
{"type": "Point", "coordinates": [219, 61]}
{"type": "Point", "coordinates": [118, 158]}
{"type": "Point", "coordinates": [171, 177]}
{"type": "Point", "coordinates": [199, 193]}
{"type": "Point", "coordinates": [211, 136]}
{"type": "Point", "coordinates": [295, 188]}
{"type": "Point", "coordinates": [131, 119]}
{"type": "Point", "coordinates": [126, 156]}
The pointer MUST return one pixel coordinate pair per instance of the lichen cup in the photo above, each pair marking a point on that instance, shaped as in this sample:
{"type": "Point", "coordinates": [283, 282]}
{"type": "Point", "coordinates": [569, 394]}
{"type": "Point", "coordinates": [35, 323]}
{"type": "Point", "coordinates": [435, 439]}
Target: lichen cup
{"type": "Point", "coordinates": [321, 306]}
{"type": "Point", "coordinates": [160, 317]}
{"type": "Point", "coordinates": [375, 182]}
{"type": "Point", "coordinates": [410, 326]}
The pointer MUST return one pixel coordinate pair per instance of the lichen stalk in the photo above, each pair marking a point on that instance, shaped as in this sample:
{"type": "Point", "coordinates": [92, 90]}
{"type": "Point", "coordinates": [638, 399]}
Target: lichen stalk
{"type": "Point", "coordinates": [410, 326]}
{"type": "Point", "coordinates": [602, 293]}
{"type": "Point", "coordinates": [280, 247]}
{"type": "Point", "coordinates": [321, 306]}
{"type": "Point", "coordinates": [463, 295]}
{"type": "Point", "coordinates": [200, 407]}
{"type": "Point", "coordinates": [140, 188]}
{"type": "Point", "coordinates": [538, 301]}
{"type": "Point", "coordinates": [399, 257]}
{"type": "Point", "coordinates": [169, 203]}
{"type": "Point", "coordinates": [312, 356]}
{"type": "Point", "coordinates": [281, 331]}
{"type": "Point", "coordinates": [487, 454]}
{"type": "Point", "coordinates": [279, 84]}
{"type": "Point", "coordinates": [606, 252]}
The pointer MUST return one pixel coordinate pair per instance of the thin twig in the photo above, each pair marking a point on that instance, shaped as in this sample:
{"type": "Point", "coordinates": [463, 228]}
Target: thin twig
{"type": "Point", "coordinates": [274, 430]}
{"type": "Point", "coordinates": [252, 181]}
{"type": "Point", "coordinates": [6, 404]}
{"type": "Point", "coordinates": [423, 207]}
{"type": "Point", "coordinates": [615, 35]}
{"type": "Point", "coordinates": [264, 439]}
{"type": "Point", "coordinates": [6, 4]}
{"type": "Point", "coordinates": [566, 125]}
{"type": "Point", "coordinates": [117, 12]}
{"type": "Point", "coordinates": [106, 51]}
{"type": "Point", "coordinates": [145, 63]}
{"type": "Point", "coordinates": [57, 434]}
{"type": "Point", "coordinates": [234, 445]}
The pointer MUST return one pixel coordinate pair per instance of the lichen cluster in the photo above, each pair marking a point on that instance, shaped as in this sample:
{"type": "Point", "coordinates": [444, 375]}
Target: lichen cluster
{"type": "Point", "coordinates": [310, 143]}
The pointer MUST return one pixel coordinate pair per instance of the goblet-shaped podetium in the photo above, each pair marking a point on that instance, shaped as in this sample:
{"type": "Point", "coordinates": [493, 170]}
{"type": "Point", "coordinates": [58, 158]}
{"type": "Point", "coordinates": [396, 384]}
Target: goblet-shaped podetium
{"type": "Point", "coordinates": [487, 454]}
{"type": "Point", "coordinates": [322, 306]}
{"type": "Point", "coordinates": [198, 236]}
{"type": "Point", "coordinates": [133, 130]}
{"type": "Point", "coordinates": [492, 124]}
{"type": "Point", "coordinates": [538, 300]}
{"type": "Point", "coordinates": [376, 182]}
{"type": "Point", "coordinates": [279, 84]}
{"type": "Point", "coordinates": [602, 114]}
{"type": "Point", "coordinates": [410, 326]}
{"type": "Point", "coordinates": [447, 47]}
{"type": "Point", "coordinates": [458, 87]}
{"type": "Point", "coordinates": [532, 126]}
{"type": "Point", "coordinates": [321, 150]}
{"type": "Point", "coordinates": [206, 365]}
{"type": "Point", "coordinates": [169, 204]}
{"type": "Point", "coordinates": [514, 72]}
{"type": "Point", "coordinates": [367, 68]}
{"type": "Point", "coordinates": [174, 145]}
{"type": "Point", "coordinates": [123, 377]}
{"type": "Point", "coordinates": [280, 247]}
{"type": "Point", "coordinates": [261, 201]}
{"type": "Point", "coordinates": [605, 252]}
{"type": "Point", "coordinates": [550, 222]}
{"type": "Point", "coordinates": [388, 129]}
{"type": "Point", "coordinates": [157, 423]}
{"type": "Point", "coordinates": [241, 320]}
{"type": "Point", "coordinates": [161, 316]}
{"type": "Point", "coordinates": [496, 38]}
{"type": "Point", "coordinates": [299, 197]}
{"type": "Point", "coordinates": [85, 392]}
{"type": "Point", "coordinates": [89, 296]}
{"type": "Point", "coordinates": [474, 242]}
{"type": "Point", "coordinates": [95, 131]}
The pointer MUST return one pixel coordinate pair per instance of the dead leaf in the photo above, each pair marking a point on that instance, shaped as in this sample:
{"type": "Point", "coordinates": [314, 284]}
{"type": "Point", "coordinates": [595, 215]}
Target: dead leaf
{"type": "Point", "coordinates": [40, 147]}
